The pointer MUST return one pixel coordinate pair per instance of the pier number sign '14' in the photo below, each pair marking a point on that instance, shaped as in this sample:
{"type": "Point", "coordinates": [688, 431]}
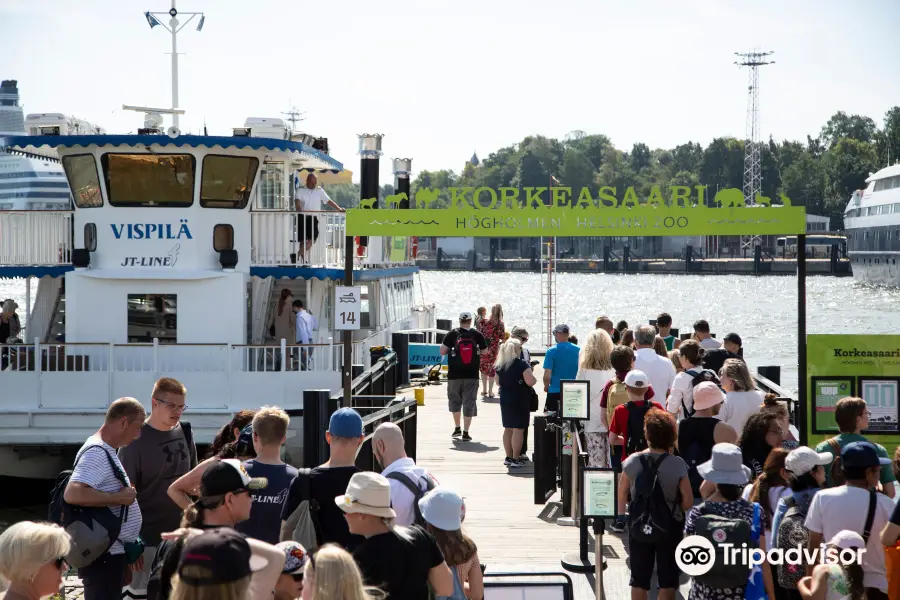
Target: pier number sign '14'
{"type": "Point", "coordinates": [347, 307]}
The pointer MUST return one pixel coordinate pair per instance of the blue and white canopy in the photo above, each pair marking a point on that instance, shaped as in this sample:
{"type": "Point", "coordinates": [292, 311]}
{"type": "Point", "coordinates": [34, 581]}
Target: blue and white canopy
{"type": "Point", "coordinates": [295, 151]}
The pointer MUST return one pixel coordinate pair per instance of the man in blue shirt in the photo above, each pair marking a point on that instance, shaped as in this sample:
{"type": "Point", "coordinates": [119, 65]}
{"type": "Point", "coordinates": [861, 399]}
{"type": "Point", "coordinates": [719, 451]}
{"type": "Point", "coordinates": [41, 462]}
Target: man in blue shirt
{"type": "Point", "coordinates": [560, 362]}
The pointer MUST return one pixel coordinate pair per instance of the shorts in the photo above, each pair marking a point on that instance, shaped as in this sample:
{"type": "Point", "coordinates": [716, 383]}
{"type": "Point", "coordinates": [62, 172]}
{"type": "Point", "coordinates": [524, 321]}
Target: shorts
{"type": "Point", "coordinates": [139, 579]}
{"type": "Point", "coordinates": [307, 228]}
{"type": "Point", "coordinates": [462, 394]}
{"type": "Point", "coordinates": [644, 556]}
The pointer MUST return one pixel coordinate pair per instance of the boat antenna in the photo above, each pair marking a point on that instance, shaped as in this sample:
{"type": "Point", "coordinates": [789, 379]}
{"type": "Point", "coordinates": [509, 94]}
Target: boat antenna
{"type": "Point", "coordinates": [294, 116]}
{"type": "Point", "coordinates": [173, 27]}
{"type": "Point", "coordinates": [204, 127]}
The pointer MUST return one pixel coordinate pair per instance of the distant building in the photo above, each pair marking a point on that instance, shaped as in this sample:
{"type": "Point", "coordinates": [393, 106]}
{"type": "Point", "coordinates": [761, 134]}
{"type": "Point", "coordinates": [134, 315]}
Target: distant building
{"type": "Point", "coordinates": [474, 160]}
{"type": "Point", "coordinates": [817, 224]}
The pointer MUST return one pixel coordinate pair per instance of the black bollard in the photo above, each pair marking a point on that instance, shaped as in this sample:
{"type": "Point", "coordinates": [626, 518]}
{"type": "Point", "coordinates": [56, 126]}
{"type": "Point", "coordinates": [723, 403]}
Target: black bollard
{"type": "Point", "coordinates": [400, 344]}
{"type": "Point", "coordinates": [834, 259]}
{"type": "Point", "coordinates": [771, 372]}
{"type": "Point", "coordinates": [493, 257]}
{"type": "Point", "coordinates": [318, 406]}
{"type": "Point", "coordinates": [626, 251]}
{"type": "Point", "coordinates": [440, 258]}
{"type": "Point", "coordinates": [606, 253]}
{"type": "Point", "coordinates": [757, 259]}
{"type": "Point", "coordinates": [688, 258]}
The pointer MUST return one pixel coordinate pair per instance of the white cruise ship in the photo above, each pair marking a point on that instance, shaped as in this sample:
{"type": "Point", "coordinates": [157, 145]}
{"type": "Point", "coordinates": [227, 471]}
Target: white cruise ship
{"type": "Point", "coordinates": [31, 178]}
{"type": "Point", "coordinates": [872, 222]}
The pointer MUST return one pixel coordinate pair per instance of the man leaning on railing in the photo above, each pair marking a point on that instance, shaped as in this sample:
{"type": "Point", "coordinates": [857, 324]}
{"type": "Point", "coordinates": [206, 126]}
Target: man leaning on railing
{"type": "Point", "coordinates": [311, 198]}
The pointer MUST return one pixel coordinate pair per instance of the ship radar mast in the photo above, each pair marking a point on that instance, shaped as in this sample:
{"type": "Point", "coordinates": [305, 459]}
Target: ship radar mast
{"type": "Point", "coordinates": [174, 27]}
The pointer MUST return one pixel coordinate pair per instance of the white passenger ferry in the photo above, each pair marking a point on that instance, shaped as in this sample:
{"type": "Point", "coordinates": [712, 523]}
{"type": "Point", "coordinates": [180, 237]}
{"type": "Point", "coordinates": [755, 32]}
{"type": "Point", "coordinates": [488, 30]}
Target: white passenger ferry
{"type": "Point", "coordinates": [872, 223]}
{"type": "Point", "coordinates": [171, 263]}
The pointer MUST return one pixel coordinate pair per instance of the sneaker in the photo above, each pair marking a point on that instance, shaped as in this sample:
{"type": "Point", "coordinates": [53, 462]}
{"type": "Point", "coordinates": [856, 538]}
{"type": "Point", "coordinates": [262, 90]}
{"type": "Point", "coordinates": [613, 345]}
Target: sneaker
{"type": "Point", "coordinates": [457, 432]}
{"type": "Point", "coordinates": [523, 459]}
{"type": "Point", "coordinates": [466, 437]}
{"type": "Point", "coordinates": [515, 464]}
{"type": "Point", "coordinates": [508, 461]}
{"type": "Point", "coordinates": [618, 526]}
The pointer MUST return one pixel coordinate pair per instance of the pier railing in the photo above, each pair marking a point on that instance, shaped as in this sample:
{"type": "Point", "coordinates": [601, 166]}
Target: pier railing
{"type": "Point", "coordinates": [35, 238]}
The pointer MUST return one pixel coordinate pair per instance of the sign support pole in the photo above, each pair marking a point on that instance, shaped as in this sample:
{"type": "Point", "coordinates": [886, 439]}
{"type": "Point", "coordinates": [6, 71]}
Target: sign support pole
{"type": "Point", "coordinates": [347, 335]}
{"type": "Point", "coordinates": [802, 391]}
{"type": "Point", "coordinates": [599, 561]}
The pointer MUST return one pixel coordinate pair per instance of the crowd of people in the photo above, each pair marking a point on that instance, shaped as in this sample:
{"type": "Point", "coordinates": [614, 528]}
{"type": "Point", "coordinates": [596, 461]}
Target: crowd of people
{"type": "Point", "coordinates": [731, 454]}
{"type": "Point", "coordinates": [140, 514]}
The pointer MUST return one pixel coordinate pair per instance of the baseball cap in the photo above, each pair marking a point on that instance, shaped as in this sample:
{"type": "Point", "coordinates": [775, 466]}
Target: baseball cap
{"type": "Point", "coordinates": [295, 557]}
{"type": "Point", "coordinates": [345, 423]}
{"type": "Point", "coordinates": [465, 316]}
{"type": "Point", "coordinates": [802, 460]}
{"type": "Point", "coordinates": [847, 539]}
{"type": "Point", "coordinates": [637, 379]}
{"type": "Point", "coordinates": [228, 476]}
{"type": "Point", "coordinates": [246, 436]}
{"type": "Point", "coordinates": [224, 555]}
{"type": "Point", "coordinates": [733, 338]}
{"type": "Point", "coordinates": [862, 455]}
{"type": "Point", "coordinates": [561, 328]}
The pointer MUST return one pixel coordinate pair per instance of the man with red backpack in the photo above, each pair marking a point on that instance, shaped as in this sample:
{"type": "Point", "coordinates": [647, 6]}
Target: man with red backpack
{"type": "Point", "coordinates": [462, 347]}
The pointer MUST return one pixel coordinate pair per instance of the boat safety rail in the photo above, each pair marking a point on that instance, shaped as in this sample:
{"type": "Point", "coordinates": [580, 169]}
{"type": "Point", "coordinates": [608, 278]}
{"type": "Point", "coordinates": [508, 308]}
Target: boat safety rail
{"type": "Point", "coordinates": [282, 238]}
{"type": "Point", "coordinates": [35, 238]}
{"type": "Point", "coordinates": [160, 358]}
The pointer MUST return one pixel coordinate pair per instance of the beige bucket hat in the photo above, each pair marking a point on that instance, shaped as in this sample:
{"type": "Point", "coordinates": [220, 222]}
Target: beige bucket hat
{"type": "Point", "coordinates": [369, 494]}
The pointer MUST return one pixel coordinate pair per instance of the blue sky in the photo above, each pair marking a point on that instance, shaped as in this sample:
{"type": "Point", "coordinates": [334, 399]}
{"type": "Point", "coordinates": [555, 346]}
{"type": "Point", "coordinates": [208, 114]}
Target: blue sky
{"type": "Point", "coordinates": [441, 79]}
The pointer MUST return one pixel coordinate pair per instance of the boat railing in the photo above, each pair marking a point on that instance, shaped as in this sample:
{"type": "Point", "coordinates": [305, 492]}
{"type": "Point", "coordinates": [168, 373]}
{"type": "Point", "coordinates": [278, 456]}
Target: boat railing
{"type": "Point", "coordinates": [280, 238]}
{"type": "Point", "coordinates": [35, 238]}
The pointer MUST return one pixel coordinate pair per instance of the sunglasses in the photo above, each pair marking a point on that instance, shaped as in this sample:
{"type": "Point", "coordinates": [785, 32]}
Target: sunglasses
{"type": "Point", "coordinates": [297, 577]}
{"type": "Point", "coordinates": [61, 562]}
{"type": "Point", "coordinates": [172, 406]}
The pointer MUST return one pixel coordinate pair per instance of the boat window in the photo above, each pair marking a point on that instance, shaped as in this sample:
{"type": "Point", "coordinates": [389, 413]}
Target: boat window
{"type": "Point", "coordinates": [223, 237]}
{"type": "Point", "coordinates": [90, 237]}
{"type": "Point", "coordinates": [81, 171]}
{"type": "Point", "coordinates": [270, 194]}
{"type": "Point", "coordinates": [149, 179]}
{"type": "Point", "coordinates": [227, 181]}
{"type": "Point", "coordinates": [152, 316]}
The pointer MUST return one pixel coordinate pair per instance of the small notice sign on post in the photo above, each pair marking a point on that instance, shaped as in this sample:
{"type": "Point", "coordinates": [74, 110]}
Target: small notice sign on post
{"type": "Point", "coordinates": [347, 307]}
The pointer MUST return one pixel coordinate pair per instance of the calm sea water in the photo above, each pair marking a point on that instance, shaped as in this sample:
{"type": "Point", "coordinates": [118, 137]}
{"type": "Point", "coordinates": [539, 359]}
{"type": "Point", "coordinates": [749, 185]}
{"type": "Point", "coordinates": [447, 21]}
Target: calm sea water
{"type": "Point", "coordinates": [763, 310]}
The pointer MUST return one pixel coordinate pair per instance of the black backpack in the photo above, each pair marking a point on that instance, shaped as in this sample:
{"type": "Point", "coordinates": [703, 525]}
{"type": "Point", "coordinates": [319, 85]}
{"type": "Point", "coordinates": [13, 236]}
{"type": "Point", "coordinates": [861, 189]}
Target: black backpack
{"type": "Point", "coordinates": [791, 533]}
{"type": "Point", "coordinates": [722, 531]}
{"type": "Point", "coordinates": [700, 376]}
{"type": "Point", "coordinates": [90, 527]}
{"type": "Point", "coordinates": [464, 353]}
{"type": "Point", "coordinates": [649, 513]}
{"type": "Point", "coordinates": [694, 457]}
{"type": "Point", "coordinates": [635, 428]}
{"type": "Point", "coordinates": [417, 492]}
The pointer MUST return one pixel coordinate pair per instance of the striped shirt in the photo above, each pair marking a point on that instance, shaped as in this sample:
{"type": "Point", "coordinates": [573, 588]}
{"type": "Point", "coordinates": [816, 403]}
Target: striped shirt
{"type": "Point", "coordinates": [94, 470]}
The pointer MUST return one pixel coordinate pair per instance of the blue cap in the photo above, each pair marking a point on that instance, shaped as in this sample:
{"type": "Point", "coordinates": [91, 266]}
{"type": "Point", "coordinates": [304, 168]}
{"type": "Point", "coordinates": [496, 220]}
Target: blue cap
{"type": "Point", "coordinates": [862, 455]}
{"type": "Point", "coordinates": [345, 423]}
{"type": "Point", "coordinates": [246, 435]}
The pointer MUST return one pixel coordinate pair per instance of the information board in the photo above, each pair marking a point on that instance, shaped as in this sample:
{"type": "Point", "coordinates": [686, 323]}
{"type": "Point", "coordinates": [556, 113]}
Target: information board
{"type": "Point", "coordinates": [599, 492]}
{"type": "Point", "coordinates": [576, 397]}
{"type": "Point", "coordinates": [865, 366]}
{"type": "Point", "coordinates": [347, 307]}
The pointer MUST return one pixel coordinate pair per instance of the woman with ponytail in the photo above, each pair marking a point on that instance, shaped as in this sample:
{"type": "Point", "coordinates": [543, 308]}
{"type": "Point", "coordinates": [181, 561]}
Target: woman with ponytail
{"type": "Point", "coordinates": [837, 581]}
{"type": "Point", "coordinates": [223, 443]}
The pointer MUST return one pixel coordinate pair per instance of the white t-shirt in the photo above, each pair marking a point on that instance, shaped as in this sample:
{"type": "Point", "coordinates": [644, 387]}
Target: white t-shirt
{"type": "Point", "coordinates": [845, 507]}
{"type": "Point", "coordinates": [682, 390]}
{"type": "Point", "coordinates": [711, 344]}
{"type": "Point", "coordinates": [311, 200]}
{"type": "Point", "coordinates": [775, 494]}
{"type": "Point", "coordinates": [598, 381]}
{"type": "Point", "coordinates": [402, 498]}
{"type": "Point", "coordinates": [94, 470]}
{"type": "Point", "coordinates": [659, 371]}
{"type": "Point", "coordinates": [740, 406]}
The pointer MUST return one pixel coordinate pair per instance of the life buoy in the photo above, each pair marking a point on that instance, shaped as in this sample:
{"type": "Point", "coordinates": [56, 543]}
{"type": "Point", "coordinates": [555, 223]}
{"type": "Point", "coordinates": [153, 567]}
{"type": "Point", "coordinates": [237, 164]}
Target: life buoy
{"type": "Point", "coordinates": [414, 246]}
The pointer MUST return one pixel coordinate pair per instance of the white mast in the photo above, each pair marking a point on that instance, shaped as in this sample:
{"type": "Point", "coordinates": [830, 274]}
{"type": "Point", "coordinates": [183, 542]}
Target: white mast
{"type": "Point", "coordinates": [174, 27]}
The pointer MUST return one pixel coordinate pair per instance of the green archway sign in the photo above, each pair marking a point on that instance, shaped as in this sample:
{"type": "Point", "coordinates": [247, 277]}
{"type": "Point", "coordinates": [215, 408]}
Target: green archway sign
{"type": "Point", "coordinates": [550, 212]}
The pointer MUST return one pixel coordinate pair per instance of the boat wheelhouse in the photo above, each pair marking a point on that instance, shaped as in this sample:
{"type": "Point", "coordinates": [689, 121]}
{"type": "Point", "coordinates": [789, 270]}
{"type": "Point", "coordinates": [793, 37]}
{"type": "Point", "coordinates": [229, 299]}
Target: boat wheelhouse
{"type": "Point", "coordinates": [171, 264]}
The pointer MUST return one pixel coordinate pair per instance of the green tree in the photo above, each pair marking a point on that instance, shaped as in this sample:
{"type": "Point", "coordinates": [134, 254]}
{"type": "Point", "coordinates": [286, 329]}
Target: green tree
{"type": "Point", "coordinates": [346, 195]}
{"type": "Point", "coordinates": [846, 165]}
{"type": "Point", "coordinates": [803, 182]}
{"type": "Point", "coordinates": [887, 140]}
{"type": "Point", "coordinates": [841, 125]}
{"type": "Point", "coordinates": [577, 172]}
{"type": "Point", "coordinates": [723, 164]}
{"type": "Point", "coordinates": [640, 157]}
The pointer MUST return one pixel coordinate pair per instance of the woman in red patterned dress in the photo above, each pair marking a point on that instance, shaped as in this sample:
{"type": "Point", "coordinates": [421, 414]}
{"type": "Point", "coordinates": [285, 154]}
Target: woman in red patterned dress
{"type": "Point", "coordinates": [493, 331]}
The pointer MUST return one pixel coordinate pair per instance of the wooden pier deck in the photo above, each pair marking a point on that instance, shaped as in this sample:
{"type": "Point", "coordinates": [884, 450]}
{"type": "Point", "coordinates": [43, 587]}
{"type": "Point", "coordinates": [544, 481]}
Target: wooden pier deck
{"type": "Point", "coordinates": [512, 533]}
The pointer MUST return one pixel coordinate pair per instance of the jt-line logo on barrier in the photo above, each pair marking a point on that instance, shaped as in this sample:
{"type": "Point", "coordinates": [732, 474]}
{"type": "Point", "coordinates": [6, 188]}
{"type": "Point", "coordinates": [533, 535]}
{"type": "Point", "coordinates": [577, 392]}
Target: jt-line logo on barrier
{"type": "Point", "coordinates": [509, 212]}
